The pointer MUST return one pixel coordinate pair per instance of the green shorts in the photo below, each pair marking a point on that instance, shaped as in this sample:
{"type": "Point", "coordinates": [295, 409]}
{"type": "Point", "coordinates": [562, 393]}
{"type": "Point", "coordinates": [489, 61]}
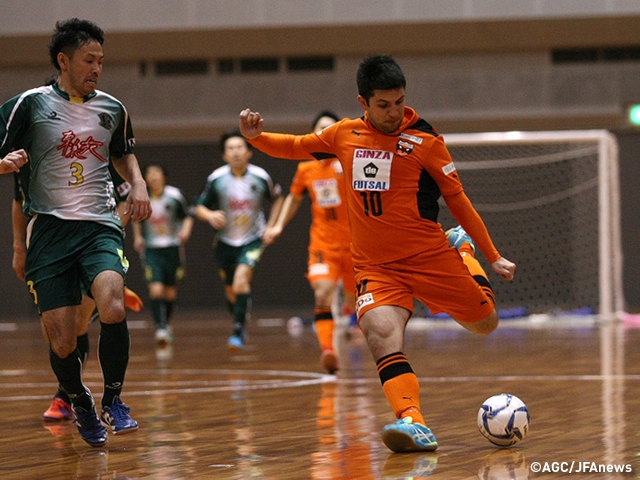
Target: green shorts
{"type": "Point", "coordinates": [229, 257]}
{"type": "Point", "coordinates": [65, 256]}
{"type": "Point", "coordinates": [163, 265]}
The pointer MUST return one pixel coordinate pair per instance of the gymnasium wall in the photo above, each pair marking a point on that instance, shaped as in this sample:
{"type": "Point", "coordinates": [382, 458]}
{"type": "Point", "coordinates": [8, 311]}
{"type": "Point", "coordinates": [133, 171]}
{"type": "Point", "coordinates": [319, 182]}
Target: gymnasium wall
{"type": "Point", "coordinates": [471, 66]}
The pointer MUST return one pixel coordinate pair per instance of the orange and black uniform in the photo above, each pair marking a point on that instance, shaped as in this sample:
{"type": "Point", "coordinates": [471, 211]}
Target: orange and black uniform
{"type": "Point", "coordinates": [393, 185]}
{"type": "Point", "coordinates": [329, 235]}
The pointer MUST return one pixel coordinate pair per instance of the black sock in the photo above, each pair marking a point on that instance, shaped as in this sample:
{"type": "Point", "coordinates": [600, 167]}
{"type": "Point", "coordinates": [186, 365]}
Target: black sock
{"type": "Point", "coordinates": [240, 312]}
{"type": "Point", "coordinates": [69, 374]}
{"type": "Point", "coordinates": [168, 308]}
{"type": "Point", "coordinates": [113, 352]}
{"type": "Point", "coordinates": [159, 312]}
{"type": "Point", "coordinates": [82, 341]}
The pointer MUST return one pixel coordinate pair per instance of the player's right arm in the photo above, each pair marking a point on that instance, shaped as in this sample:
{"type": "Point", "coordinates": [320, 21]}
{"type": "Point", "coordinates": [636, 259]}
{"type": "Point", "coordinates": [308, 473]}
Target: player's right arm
{"type": "Point", "coordinates": [216, 218]}
{"type": "Point", "coordinates": [292, 147]}
{"type": "Point", "coordinates": [138, 238]}
{"type": "Point", "coordinates": [207, 205]}
{"type": "Point", "coordinates": [289, 209]}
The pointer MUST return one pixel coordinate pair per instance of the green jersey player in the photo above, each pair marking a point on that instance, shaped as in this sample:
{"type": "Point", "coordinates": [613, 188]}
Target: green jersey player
{"type": "Point", "coordinates": [160, 241]}
{"type": "Point", "coordinates": [233, 202]}
{"type": "Point", "coordinates": [70, 132]}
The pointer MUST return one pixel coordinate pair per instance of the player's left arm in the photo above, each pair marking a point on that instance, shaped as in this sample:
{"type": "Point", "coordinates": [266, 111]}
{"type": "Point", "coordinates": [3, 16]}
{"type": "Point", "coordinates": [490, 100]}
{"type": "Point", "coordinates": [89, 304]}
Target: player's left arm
{"type": "Point", "coordinates": [185, 232]}
{"type": "Point", "coordinates": [13, 161]}
{"type": "Point", "coordinates": [186, 212]}
{"type": "Point", "coordinates": [137, 203]}
{"type": "Point", "coordinates": [274, 211]}
{"type": "Point", "coordinates": [467, 216]}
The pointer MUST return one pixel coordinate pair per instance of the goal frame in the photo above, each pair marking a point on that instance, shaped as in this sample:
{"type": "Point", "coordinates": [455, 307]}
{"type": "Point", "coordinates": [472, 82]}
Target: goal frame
{"type": "Point", "coordinates": [611, 301]}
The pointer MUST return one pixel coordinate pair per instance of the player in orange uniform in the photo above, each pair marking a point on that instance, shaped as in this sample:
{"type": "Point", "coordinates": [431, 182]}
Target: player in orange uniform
{"type": "Point", "coordinates": [330, 239]}
{"type": "Point", "coordinates": [396, 167]}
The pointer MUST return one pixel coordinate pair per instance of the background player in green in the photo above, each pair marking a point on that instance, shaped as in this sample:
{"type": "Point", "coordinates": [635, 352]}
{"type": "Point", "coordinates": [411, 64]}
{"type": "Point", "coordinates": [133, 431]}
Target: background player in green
{"type": "Point", "coordinates": [159, 240]}
{"type": "Point", "coordinates": [233, 202]}
{"type": "Point", "coordinates": [71, 132]}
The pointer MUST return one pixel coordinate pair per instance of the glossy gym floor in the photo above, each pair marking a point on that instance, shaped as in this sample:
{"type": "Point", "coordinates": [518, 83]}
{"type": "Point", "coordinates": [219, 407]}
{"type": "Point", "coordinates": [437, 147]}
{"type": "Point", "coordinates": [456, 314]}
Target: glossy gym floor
{"type": "Point", "coordinates": [271, 413]}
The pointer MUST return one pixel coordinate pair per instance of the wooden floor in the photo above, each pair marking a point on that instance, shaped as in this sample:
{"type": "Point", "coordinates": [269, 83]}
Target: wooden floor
{"type": "Point", "coordinates": [271, 413]}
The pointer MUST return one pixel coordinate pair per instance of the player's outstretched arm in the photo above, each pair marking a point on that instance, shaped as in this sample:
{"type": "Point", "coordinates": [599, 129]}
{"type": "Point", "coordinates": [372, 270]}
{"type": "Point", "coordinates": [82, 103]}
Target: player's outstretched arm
{"type": "Point", "coordinates": [251, 123]}
{"type": "Point", "coordinates": [504, 268]}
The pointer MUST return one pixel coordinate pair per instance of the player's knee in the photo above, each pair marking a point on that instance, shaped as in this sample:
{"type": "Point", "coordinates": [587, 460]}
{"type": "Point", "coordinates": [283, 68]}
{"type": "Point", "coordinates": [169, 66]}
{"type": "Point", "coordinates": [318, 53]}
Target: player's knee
{"type": "Point", "coordinates": [62, 348]}
{"type": "Point", "coordinates": [487, 324]}
{"type": "Point", "coordinates": [112, 312]}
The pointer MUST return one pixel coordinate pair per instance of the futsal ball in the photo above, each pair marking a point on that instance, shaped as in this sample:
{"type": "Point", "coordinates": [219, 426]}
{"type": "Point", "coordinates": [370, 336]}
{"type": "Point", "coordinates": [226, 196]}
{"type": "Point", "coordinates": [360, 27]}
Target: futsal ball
{"type": "Point", "coordinates": [503, 419]}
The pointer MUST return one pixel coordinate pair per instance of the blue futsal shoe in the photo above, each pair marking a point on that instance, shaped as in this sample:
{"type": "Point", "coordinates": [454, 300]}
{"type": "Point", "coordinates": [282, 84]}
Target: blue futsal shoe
{"type": "Point", "coordinates": [117, 418]}
{"type": "Point", "coordinates": [457, 236]}
{"type": "Point", "coordinates": [406, 436]}
{"type": "Point", "coordinates": [235, 343]}
{"type": "Point", "coordinates": [89, 427]}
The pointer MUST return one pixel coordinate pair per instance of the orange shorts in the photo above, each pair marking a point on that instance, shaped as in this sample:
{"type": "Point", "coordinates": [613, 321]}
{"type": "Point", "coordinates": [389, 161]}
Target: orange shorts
{"type": "Point", "coordinates": [332, 265]}
{"type": "Point", "coordinates": [438, 278]}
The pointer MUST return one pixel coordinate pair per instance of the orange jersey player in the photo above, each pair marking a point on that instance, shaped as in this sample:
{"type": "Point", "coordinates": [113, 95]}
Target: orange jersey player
{"type": "Point", "coordinates": [330, 239]}
{"type": "Point", "coordinates": [396, 167]}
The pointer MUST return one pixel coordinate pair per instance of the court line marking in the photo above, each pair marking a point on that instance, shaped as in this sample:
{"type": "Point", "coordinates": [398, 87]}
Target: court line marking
{"type": "Point", "coordinates": [308, 378]}
{"type": "Point", "coordinates": [305, 379]}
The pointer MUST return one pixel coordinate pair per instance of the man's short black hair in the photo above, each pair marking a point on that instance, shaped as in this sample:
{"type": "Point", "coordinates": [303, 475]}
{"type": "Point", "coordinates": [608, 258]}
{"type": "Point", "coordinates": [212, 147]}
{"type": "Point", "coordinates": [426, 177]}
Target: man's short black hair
{"type": "Point", "coordinates": [379, 72]}
{"type": "Point", "coordinates": [72, 34]}
{"type": "Point", "coordinates": [231, 134]}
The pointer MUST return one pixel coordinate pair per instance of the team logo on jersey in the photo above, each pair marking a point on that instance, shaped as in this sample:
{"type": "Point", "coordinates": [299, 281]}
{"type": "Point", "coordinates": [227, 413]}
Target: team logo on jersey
{"type": "Point", "coordinates": [73, 147]}
{"type": "Point", "coordinates": [106, 121]}
{"type": "Point", "coordinates": [411, 138]}
{"type": "Point", "coordinates": [404, 148]}
{"type": "Point", "coordinates": [371, 170]}
{"type": "Point", "coordinates": [327, 193]}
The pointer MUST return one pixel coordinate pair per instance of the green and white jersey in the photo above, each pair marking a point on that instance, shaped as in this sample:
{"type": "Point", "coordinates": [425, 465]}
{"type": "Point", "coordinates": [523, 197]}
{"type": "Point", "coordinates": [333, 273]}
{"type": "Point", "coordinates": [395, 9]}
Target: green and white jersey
{"type": "Point", "coordinates": [161, 229]}
{"type": "Point", "coordinates": [69, 144]}
{"type": "Point", "coordinates": [243, 199]}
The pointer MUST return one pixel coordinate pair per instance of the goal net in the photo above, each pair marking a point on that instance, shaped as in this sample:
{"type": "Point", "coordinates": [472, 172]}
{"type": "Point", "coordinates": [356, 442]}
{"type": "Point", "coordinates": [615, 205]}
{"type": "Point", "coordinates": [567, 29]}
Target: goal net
{"type": "Point", "coordinates": [551, 203]}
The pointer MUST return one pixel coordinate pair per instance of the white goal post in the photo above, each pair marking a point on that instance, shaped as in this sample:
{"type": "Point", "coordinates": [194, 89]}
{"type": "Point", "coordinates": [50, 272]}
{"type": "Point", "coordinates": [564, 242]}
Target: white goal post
{"type": "Point", "coordinates": [551, 203]}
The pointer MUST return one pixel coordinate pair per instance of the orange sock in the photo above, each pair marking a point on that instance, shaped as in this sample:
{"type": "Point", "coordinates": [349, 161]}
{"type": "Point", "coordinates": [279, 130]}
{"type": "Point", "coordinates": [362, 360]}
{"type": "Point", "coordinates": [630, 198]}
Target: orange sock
{"type": "Point", "coordinates": [324, 331]}
{"type": "Point", "coordinates": [472, 263]}
{"type": "Point", "coordinates": [476, 270]}
{"type": "Point", "coordinates": [400, 386]}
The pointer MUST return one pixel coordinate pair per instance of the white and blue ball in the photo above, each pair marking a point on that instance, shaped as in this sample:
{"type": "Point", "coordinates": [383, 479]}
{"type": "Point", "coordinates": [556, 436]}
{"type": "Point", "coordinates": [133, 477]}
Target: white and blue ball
{"type": "Point", "coordinates": [503, 419]}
